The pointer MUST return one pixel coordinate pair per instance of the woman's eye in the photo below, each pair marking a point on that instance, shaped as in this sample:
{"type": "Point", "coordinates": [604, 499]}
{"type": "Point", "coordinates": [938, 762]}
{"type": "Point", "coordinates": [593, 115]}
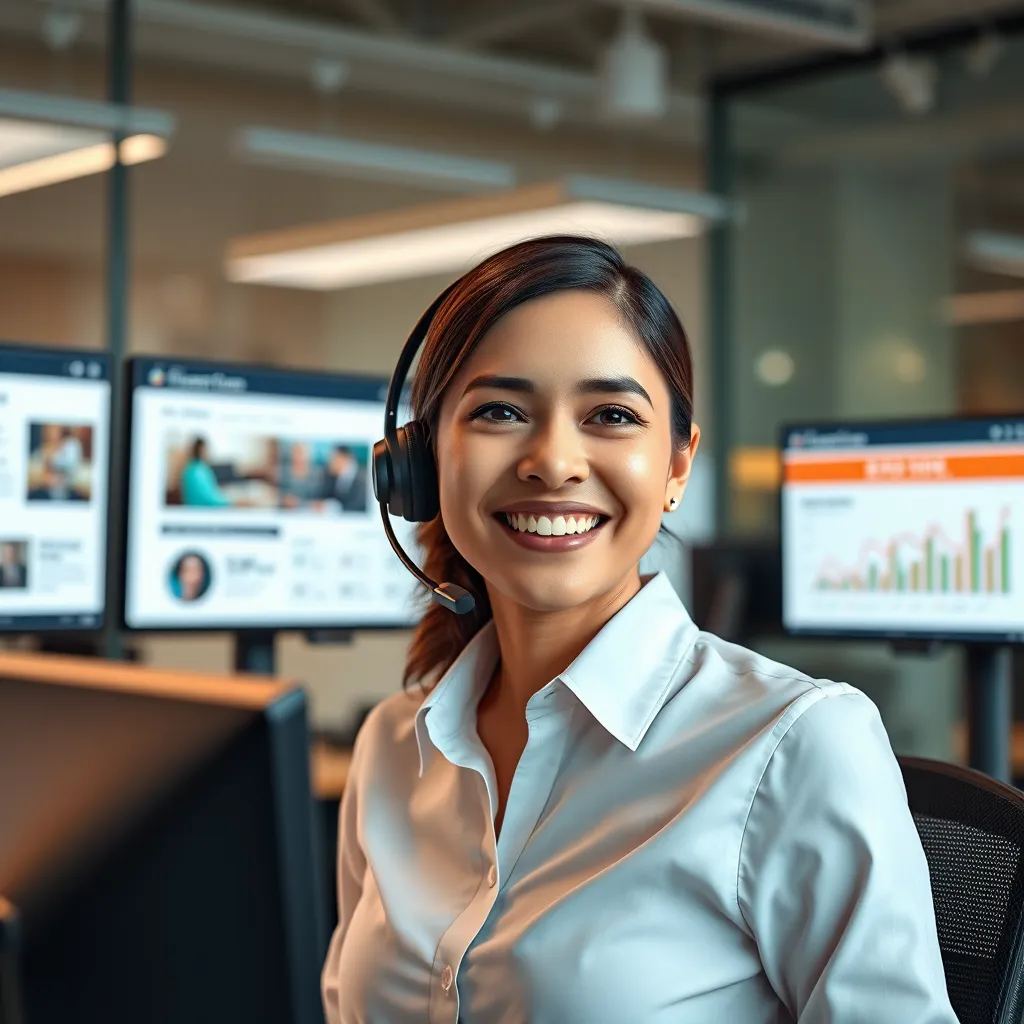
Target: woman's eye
{"type": "Point", "coordinates": [496, 412]}
{"type": "Point", "coordinates": [613, 416]}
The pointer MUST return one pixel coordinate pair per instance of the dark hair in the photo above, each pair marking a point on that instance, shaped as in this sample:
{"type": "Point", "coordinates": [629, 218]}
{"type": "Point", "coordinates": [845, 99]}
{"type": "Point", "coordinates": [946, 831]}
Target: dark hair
{"type": "Point", "coordinates": [498, 285]}
{"type": "Point", "coordinates": [197, 447]}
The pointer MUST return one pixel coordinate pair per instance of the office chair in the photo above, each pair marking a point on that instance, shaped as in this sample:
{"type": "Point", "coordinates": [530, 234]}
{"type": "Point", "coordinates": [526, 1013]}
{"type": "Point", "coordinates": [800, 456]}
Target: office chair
{"type": "Point", "coordinates": [972, 831]}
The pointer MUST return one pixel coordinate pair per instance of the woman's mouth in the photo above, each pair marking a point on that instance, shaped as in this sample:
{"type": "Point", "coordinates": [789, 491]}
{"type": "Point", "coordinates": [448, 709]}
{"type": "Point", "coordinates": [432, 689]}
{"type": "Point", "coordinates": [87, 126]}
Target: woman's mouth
{"type": "Point", "coordinates": [551, 533]}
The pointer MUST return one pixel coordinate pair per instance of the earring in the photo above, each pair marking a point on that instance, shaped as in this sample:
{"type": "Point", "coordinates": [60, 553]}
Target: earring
{"type": "Point", "coordinates": [672, 502]}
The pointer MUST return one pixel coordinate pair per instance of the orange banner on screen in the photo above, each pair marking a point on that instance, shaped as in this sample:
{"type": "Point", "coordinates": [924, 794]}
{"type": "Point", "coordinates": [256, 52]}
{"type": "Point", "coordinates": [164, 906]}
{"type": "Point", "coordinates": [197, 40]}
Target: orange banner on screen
{"type": "Point", "coordinates": [905, 468]}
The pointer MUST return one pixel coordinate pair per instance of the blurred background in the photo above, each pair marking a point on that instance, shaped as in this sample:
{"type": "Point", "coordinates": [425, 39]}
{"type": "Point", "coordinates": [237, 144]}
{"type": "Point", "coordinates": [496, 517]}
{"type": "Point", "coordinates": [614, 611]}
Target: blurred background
{"type": "Point", "coordinates": [841, 184]}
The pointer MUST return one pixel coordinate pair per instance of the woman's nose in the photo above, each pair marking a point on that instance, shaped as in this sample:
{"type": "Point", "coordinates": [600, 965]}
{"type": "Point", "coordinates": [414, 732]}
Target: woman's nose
{"type": "Point", "coordinates": [556, 455]}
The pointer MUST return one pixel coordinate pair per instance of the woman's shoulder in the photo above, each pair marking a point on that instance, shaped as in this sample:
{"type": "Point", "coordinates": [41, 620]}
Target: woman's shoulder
{"type": "Point", "coordinates": [779, 694]}
{"type": "Point", "coordinates": [388, 729]}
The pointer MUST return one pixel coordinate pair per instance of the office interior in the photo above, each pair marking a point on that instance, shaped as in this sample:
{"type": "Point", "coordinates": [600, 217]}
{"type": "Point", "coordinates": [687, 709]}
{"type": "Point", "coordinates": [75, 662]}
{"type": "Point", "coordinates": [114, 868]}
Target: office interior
{"type": "Point", "coordinates": [832, 197]}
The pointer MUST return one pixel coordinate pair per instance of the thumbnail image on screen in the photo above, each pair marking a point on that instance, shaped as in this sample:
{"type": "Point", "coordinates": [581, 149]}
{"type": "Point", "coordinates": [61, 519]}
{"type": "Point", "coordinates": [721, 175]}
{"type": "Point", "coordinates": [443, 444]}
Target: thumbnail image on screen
{"type": "Point", "coordinates": [905, 530]}
{"type": "Point", "coordinates": [54, 438]}
{"type": "Point", "coordinates": [238, 469]}
{"type": "Point", "coordinates": [251, 502]}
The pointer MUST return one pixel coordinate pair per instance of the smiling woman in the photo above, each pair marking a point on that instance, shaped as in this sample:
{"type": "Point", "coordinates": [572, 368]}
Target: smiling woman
{"type": "Point", "coordinates": [599, 813]}
{"type": "Point", "coordinates": [557, 356]}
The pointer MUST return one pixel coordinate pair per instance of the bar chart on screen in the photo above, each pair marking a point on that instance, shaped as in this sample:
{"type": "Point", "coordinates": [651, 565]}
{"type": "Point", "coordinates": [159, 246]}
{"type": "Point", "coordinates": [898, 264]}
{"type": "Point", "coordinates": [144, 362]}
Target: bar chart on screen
{"type": "Point", "coordinates": [906, 541]}
{"type": "Point", "coordinates": [930, 562]}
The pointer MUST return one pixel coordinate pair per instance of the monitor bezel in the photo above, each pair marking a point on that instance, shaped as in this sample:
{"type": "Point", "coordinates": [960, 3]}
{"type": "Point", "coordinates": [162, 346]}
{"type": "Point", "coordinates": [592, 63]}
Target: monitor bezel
{"type": "Point", "coordinates": [896, 637]}
{"type": "Point", "coordinates": [238, 628]}
{"type": "Point", "coordinates": [48, 625]}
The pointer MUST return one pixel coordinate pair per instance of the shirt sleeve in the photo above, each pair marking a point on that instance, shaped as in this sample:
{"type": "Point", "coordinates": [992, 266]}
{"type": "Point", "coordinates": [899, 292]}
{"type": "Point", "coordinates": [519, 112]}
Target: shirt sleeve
{"type": "Point", "coordinates": [351, 868]}
{"type": "Point", "coordinates": [833, 880]}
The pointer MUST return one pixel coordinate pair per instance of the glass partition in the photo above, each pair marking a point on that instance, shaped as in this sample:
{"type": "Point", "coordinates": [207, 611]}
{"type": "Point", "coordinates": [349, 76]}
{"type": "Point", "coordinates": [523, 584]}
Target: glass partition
{"type": "Point", "coordinates": [878, 273]}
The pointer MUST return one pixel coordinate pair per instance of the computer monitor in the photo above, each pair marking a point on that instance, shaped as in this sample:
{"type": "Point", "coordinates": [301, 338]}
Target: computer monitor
{"type": "Point", "coordinates": [905, 530]}
{"type": "Point", "coordinates": [54, 448]}
{"type": "Point", "coordinates": [158, 860]}
{"type": "Point", "coordinates": [251, 505]}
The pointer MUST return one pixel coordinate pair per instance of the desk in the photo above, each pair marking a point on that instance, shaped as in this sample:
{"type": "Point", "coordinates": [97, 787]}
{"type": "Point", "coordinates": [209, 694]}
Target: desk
{"type": "Point", "coordinates": [329, 766]}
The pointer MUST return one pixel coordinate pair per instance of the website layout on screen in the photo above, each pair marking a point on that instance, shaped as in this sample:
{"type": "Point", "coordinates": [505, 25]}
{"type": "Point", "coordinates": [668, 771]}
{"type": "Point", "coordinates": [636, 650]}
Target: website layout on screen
{"type": "Point", "coordinates": [912, 530]}
{"type": "Point", "coordinates": [54, 423]}
{"type": "Point", "coordinates": [251, 502]}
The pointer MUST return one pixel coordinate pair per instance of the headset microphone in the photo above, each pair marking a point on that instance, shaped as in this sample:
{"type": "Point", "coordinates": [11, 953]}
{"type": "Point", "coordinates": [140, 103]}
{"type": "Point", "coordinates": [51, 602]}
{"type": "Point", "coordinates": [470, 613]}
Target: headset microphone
{"type": "Point", "coordinates": [404, 471]}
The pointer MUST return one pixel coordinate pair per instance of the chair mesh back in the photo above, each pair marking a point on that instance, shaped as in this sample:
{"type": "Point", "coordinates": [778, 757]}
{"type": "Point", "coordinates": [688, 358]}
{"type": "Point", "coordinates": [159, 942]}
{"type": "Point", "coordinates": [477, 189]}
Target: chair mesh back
{"type": "Point", "coordinates": [972, 831]}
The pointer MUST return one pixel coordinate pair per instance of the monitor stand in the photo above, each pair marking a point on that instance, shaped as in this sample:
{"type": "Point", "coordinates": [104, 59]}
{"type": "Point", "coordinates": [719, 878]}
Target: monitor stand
{"type": "Point", "coordinates": [990, 710]}
{"type": "Point", "coordinates": [255, 653]}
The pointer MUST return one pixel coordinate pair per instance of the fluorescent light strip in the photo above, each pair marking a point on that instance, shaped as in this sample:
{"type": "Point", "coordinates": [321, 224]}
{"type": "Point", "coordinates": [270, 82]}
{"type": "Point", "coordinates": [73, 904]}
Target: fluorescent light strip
{"type": "Point", "coordinates": [78, 163]}
{"type": "Point", "coordinates": [1001, 254]}
{"type": "Point", "coordinates": [444, 237]}
{"type": "Point", "coordinates": [81, 113]}
{"type": "Point", "coordinates": [375, 161]}
{"type": "Point", "coordinates": [454, 246]}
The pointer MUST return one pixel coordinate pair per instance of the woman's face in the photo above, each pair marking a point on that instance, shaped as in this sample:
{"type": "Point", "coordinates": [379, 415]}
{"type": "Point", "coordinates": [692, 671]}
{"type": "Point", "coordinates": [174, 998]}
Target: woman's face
{"type": "Point", "coordinates": [558, 403]}
{"type": "Point", "coordinates": [191, 575]}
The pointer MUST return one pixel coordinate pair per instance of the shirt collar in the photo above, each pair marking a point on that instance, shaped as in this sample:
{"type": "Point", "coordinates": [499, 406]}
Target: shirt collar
{"type": "Point", "coordinates": [455, 696]}
{"type": "Point", "coordinates": [622, 677]}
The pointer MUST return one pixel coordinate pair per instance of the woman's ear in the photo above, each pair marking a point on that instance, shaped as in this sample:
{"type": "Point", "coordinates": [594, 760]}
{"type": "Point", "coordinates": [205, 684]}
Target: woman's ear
{"type": "Point", "coordinates": [682, 464]}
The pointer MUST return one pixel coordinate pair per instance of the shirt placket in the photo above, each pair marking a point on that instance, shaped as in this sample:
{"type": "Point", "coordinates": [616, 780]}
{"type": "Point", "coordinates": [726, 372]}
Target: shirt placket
{"type": "Point", "coordinates": [547, 717]}
{"type": "Point", "coordinates": [444, 999]}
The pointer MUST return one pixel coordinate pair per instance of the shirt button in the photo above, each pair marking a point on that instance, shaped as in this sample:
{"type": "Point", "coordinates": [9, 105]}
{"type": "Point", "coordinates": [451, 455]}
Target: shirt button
{"type": "Point", "coordinates": [492, 876]}
{"type": "Point", "coordinates": [446, 978]}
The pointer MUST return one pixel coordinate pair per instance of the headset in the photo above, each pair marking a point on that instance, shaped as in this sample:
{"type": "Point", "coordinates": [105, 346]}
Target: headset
{"type": "Point", "coordinates": [404, 471]}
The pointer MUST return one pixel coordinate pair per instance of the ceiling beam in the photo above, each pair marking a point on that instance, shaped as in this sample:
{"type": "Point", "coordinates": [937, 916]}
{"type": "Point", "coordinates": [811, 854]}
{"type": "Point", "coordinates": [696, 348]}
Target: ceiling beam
{"type": "Point", "coordinates": [843, 24]}
{"type": "Point", "coordinates": [378, 15]}
{"type": "Point", "coordinates": [514, 21]}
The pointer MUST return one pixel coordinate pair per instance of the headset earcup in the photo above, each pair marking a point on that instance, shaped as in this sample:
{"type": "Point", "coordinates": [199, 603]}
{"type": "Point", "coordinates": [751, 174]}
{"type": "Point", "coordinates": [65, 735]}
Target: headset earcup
{"type": "Point", "coordinates": [419, 481]}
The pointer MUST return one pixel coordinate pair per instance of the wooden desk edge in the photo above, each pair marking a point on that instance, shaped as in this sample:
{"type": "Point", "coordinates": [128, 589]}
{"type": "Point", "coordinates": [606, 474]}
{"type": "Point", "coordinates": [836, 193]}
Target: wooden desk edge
{"type": "Point", "coordinates": [329, 765]}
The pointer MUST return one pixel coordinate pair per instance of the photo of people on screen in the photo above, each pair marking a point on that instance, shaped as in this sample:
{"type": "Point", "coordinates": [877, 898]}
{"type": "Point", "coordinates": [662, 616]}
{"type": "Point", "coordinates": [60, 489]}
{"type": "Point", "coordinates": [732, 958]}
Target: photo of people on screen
{"type": "Point", "coordinates": [348, 477]}
{"type": "Point", "coordinates": [60, 462]}
{"type": "Point", "coordinates": [190, 576]}
{"type": "Point", "coordinates": [323, 476]}
{"type": "Point", "coordinates": [231, 469]}
{"type": "Point", "coordinates": [13, 564]}
{"type": "Point", "coordinates": [235, 469]}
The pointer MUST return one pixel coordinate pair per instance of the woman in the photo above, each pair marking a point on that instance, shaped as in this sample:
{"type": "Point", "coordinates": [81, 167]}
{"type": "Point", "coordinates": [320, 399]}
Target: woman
{"type": "Point", "coordinates": [199, 485]}
{"type": "Point", "coordinates": [599, 813]}
{"type": "Point", "coordinates": [190, 577]}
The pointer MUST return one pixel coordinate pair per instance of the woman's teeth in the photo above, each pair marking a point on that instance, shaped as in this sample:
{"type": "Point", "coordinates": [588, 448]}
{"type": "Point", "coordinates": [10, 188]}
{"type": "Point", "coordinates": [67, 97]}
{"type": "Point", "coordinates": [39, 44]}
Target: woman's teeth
{"type": "Point", "coordinates": [555, 526]}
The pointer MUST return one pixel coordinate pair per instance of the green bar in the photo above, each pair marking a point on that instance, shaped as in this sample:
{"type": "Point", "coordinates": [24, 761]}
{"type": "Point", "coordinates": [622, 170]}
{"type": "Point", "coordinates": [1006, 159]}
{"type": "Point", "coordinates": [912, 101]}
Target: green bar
{"type": "Point", "coordinates": [1004, 543]}
{"type": "Point", "coordinates": [945, 573]}
{"type": "Point", "coordinates": [873, 577]}
{"type": "Point", "coordinates": [975, 554]}
{"type": "Point", "coordinates": [900, 582]}
{"type": "Point", "coordinates": [929, 583]}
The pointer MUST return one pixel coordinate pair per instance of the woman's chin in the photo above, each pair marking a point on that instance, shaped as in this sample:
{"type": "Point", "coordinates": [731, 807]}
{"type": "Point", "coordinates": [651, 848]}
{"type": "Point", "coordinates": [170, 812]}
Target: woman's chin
{"type": "Point", "coordinates": [547, 591]}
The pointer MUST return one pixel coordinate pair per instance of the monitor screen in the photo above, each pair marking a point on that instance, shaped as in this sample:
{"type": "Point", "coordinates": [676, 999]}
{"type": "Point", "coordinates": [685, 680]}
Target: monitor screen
{"type": "Point", "coordinates": [54, 446]}
{"type": "Point", "coordinates": [251, 505]}
{"type": "Point", "coordinates": [905, 530]}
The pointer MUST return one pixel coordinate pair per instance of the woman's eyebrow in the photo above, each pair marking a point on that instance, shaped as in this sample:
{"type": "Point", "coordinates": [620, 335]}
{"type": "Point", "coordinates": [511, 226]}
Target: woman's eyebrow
{"type": "Point", "coordinates": [493, 380]}
{"type": "Point", "coordinates": [613, 386]}
{"type": "Point", "coordinates": [588, 386]}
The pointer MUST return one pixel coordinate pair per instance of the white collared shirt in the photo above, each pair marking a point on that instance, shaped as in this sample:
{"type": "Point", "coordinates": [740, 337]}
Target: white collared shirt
{"type": "Point", "coordinates": [694, 834]}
